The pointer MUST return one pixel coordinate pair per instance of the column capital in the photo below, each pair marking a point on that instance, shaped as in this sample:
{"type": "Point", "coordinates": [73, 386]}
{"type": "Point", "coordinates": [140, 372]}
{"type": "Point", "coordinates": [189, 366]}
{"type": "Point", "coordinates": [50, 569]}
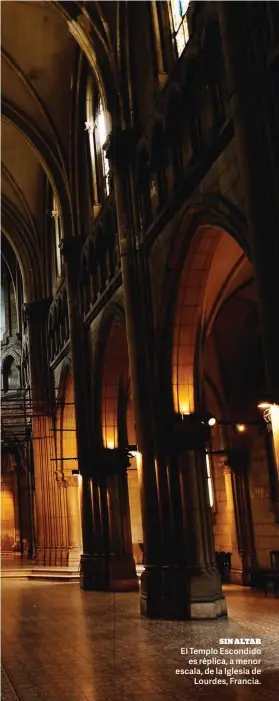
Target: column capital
{"type": "Point", "coordinates": [37, 308]}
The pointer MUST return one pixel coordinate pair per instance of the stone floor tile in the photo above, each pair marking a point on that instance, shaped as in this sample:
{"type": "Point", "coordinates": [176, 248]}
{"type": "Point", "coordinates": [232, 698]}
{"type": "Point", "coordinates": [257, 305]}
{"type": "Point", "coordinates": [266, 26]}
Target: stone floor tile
{"type": "Point", "coordinates": [61, 644]}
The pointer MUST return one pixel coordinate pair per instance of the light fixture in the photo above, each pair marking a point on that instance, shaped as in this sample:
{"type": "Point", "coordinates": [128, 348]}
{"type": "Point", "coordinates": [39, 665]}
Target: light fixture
{"type": "Point", "coordinates": [240, 428]}
{"type": "Point", "coordinates": [211, 421]}
{"type": "Point", "coordinates": [266, 407]}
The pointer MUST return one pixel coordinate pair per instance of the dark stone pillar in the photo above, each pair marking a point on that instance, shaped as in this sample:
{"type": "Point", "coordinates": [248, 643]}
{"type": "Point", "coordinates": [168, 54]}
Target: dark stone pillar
{"type": "Point", "coordinates": [71, 252]}
{"type": "Point", "coordinates": [119, 150]}
{"type": "Point", "coordinates": [249, 104]}
{"type": "Point", "coordinates": [191, 587]}
{"type": "Point", "coordinates": [238, 466]}
{"type": "Point", "coordinates": [112, 566]}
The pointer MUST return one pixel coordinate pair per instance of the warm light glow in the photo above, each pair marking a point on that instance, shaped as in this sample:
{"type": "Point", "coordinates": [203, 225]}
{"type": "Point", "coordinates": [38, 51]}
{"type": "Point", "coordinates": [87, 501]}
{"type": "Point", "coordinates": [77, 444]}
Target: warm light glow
{"type": "Point", "coordinates": [79, 479]}
{"type": "Point", "coordinates": [110, 445]}
{"type": "Point", "coordinates": [209, 480]}
{"type": "Point", "coordinates": [184, 409]}
{"type": "Point", "coordinates": [139, 462]}
{"type": "Point", "coordinates": [274, 414]}
{"type": "Point", "coordinates": [212, 421]}
{"type": "Point", "coordinates": [264, 405]}
{"type": "Point", "coordinates": [133, 453]}
{"type": "Point", "coordinates": [240, 428]}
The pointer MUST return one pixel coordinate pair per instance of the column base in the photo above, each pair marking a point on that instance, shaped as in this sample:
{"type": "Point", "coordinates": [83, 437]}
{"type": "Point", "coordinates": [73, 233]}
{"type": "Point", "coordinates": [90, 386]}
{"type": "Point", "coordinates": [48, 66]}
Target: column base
{"type": "Point", "coordinates": [177, 593]}
{"type": "Point", "coordinates": [108, 573]}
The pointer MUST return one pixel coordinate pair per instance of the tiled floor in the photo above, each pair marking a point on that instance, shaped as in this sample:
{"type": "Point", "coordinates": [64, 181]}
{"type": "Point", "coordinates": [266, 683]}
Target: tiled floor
{"type": "Point", "coordinates": [59, 643]}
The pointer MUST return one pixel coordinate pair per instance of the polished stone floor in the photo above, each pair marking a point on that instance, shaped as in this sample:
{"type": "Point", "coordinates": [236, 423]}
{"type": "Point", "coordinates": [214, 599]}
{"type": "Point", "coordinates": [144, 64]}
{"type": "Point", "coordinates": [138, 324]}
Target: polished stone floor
{"type": "Point", "coordinates": [59, 643]}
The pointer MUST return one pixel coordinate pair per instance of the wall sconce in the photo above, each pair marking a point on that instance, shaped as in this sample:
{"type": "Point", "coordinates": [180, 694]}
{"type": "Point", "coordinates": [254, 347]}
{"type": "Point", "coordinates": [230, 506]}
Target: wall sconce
{"type": "Point", "coordinates": [266, 407]}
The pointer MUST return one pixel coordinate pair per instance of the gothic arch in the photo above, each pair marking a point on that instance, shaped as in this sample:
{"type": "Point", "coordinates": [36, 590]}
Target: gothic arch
{"type": "Point", "coordinates": [207, 260]}
{"type": "Point", "coordinates": [113, 392]}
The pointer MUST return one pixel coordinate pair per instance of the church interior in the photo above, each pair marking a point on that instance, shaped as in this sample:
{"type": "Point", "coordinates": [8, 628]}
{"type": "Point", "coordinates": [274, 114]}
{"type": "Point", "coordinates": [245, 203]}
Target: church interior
{"type": "Point", "coordinates": [139, 343]}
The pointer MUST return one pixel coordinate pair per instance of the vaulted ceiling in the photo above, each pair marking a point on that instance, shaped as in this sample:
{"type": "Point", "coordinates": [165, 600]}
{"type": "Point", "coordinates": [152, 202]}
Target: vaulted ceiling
{"type": "Point", "coordinates": [38, 54]}
{"type": "Point", "coordinates": [41, 44]}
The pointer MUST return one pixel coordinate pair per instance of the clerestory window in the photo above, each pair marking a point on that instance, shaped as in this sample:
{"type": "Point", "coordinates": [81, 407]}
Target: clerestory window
{"type": "Point", "coordinates": [180, 30]}
{"type": "Point", "coordinates": [96, 127]}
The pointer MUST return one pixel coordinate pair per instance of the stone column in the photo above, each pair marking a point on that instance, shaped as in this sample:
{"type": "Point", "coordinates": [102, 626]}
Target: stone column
{"type": "Point", "coordinates": [114, 566]}
{"type": "Point", "coordinates": [192, 587]}
{"type": "Point", "coordinates": [36, 315]}
{"type": "Point", "coordinates": [74, 544]}
{"type": "Point", "coordinates": [249, 107]}
{"type": "Point", "coordinates": [119, 151]}
{"type": "Point", "coordinates": [237, 483]}
{"type": "Point", "coordinates": [71, 251]}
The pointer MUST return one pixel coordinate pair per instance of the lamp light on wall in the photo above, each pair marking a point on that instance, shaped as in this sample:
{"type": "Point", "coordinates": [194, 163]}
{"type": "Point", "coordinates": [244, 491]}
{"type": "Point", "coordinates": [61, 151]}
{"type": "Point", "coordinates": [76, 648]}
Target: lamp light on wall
{"type": "Point", "coordinates": [269, 410]}
{"type": "Point", "coordinates": [208, 419]}
{"type": "Point", "coordinates": [266, 407]}
{"type": "Point", "coordinates": [184, 410]}
{"type": "Point", "coordinates": [241, 428]}
{"type": "Point", "coordinates": [76, 473]}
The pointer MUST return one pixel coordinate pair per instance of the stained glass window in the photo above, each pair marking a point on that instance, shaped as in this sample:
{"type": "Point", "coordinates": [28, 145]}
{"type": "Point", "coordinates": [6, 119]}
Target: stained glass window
{"type": "Point", "coordinates": [180, 25]}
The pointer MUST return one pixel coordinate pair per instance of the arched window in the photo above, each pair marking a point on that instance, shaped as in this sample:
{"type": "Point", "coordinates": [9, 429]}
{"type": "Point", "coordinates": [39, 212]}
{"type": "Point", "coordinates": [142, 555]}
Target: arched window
{"type": "Point", "coordinates": [180, 30]}
{"type": "Point", "coordinates": [96, 127]}
{"type": "Point", "coordinates": [57, 235]}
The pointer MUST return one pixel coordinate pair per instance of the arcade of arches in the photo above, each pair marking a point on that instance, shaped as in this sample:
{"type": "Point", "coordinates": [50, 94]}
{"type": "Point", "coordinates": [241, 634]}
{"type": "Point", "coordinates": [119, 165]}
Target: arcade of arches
{"type": "Point", "coordinates": [139, 295]}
